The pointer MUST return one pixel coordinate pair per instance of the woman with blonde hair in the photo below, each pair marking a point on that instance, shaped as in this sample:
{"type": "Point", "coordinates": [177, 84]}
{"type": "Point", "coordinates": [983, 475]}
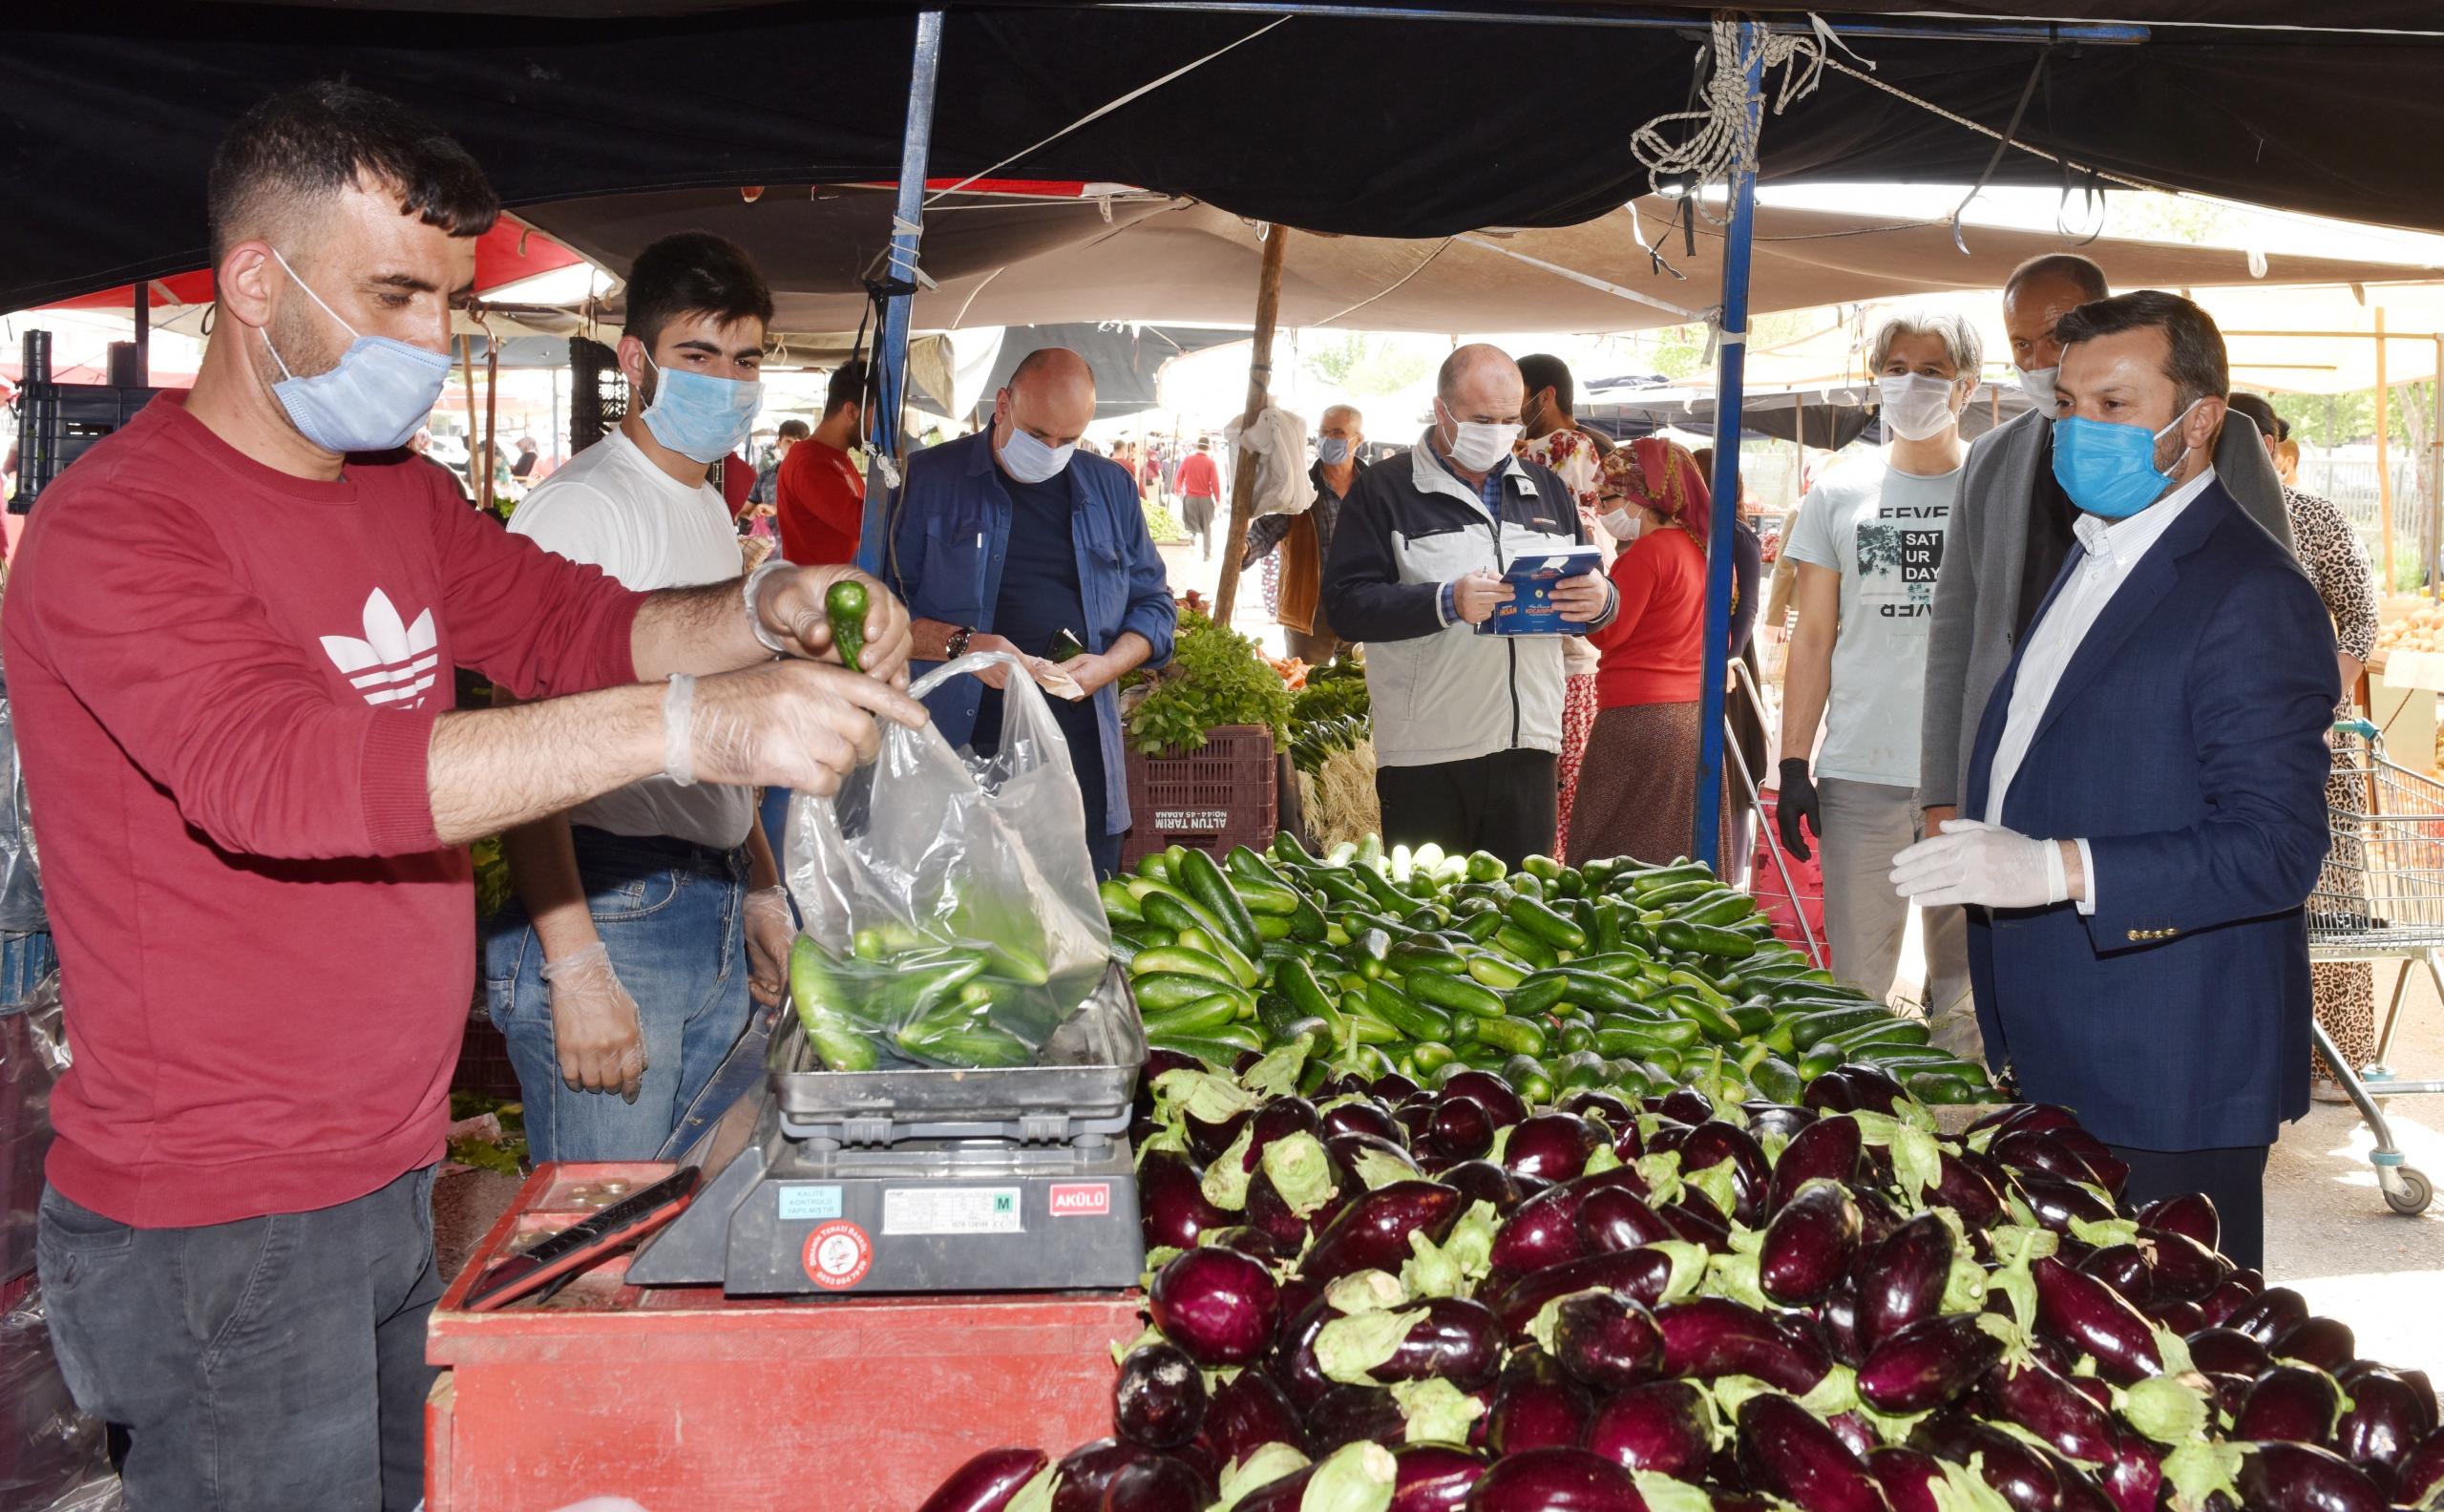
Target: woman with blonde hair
{"type": "Point", "coordinates": [1637, 788]}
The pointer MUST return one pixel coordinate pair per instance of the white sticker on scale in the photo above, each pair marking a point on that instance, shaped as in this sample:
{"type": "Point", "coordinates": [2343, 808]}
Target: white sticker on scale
{"type": "Point", "coordinates": [950, 1210]}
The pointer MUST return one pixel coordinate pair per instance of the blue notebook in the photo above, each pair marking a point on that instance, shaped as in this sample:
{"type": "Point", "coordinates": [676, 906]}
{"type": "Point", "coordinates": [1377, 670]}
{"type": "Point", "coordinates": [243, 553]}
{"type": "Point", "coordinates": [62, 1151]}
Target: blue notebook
{"type": "Point", "coordinates": [1530, 611]}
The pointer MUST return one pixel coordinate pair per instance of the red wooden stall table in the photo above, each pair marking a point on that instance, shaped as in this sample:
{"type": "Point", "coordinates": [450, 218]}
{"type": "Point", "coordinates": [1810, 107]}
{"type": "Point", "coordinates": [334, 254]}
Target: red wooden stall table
{"type": "Point", "coordinates": [686, 1400]}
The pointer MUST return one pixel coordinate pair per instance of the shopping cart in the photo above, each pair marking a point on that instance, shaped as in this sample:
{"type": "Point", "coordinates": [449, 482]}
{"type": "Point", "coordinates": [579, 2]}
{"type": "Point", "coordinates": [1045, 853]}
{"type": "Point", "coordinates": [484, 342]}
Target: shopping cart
{"type": "Point", "coordinates": [2381, 897]}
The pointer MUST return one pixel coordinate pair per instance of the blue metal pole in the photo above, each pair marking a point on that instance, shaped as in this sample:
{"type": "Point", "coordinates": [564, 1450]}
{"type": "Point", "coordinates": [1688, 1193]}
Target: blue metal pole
{"type": "Point", "coordinates": [1731, 369]}
{"type": "Point", "coordinates": [888, 365]}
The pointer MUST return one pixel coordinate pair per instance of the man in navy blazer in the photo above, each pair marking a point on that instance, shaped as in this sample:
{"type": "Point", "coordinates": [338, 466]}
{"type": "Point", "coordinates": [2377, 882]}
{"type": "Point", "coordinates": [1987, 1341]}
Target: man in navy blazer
{"type": "Point", "coordinates": [2147, 788]}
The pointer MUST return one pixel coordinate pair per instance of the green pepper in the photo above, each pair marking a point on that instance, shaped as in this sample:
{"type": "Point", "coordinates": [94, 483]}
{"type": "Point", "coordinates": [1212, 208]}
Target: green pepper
{"type": "Point", "coordinates": [844, 605]}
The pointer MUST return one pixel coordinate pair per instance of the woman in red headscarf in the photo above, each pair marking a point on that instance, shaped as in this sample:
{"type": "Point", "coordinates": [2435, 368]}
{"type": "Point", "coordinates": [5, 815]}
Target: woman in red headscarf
{"type": "Point", "coordinates": [1637, 788]}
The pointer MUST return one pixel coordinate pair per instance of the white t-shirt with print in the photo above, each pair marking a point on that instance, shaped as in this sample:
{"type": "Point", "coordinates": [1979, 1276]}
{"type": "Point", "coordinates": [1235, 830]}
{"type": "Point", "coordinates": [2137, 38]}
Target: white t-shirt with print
{"type": "Point", "coordinates": [609, 505]}
{"type": "Point", "coordinates": [1883, 530]}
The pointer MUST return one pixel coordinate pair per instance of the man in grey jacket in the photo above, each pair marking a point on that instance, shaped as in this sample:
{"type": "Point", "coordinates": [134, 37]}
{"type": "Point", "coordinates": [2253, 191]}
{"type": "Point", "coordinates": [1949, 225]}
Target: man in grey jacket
{"type": "Point", "coordinates": [2011, 530]}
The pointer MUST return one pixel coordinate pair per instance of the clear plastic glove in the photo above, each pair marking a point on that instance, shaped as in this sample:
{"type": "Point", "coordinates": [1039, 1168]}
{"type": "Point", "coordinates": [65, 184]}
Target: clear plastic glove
{"type": "Point", "coordinates": [799, 724]}
{"type": "Point", "coordinates": [595, 1024]}
{"type": "Point", "coordinates": [771, 930]}
{"type": "Point", "coordinates": [1975, 862]}
{"type": "Point", "coordinates": [789, 606]}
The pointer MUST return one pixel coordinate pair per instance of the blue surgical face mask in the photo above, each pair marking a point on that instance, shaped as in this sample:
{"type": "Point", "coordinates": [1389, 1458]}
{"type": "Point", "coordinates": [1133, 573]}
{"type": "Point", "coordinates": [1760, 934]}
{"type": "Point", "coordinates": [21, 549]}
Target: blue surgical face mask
{"type": "Point", "coordinates": [373, 399]}
{"type": "Point", "coordinates": [1332, 451]}
{"type": "Point", "coordinates": [2107, 467]}
{"type": "Point", "coordinates": [702, 417]}
{"type": "Point", "coordinates": [1029, 460]}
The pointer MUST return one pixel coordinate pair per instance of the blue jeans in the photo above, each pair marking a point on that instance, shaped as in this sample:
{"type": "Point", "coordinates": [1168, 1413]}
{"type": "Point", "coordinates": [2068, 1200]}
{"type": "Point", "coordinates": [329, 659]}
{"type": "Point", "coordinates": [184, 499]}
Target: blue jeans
{"type": "Point", "coordinates": [25, 960]}
{"type": "Point", "coordinates": [671, 914]}
{"type": "Point", "coordinates": [273, 1364]}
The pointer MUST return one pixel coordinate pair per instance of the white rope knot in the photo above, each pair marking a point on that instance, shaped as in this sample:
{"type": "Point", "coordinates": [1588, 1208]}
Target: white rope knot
{"type": "Point", "coordinates": [1724, 141]}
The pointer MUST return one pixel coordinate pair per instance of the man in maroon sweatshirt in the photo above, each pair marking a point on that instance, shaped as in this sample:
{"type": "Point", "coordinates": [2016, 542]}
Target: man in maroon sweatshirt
{"type": "Point", "coordinates": [230, 634]}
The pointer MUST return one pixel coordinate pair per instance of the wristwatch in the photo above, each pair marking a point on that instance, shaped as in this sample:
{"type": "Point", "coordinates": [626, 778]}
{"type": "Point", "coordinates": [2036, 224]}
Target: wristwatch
{"type": "Point", "coordinates": [956, 645]}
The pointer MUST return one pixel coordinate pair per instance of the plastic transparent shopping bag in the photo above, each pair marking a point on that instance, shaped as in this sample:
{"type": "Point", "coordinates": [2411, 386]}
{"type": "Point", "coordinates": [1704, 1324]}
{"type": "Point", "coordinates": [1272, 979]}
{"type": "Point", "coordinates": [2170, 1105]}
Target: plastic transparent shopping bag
{"type": "Point", "coordinates": [948, 900]}
{"type": "Point", "coordinates": [21, 909]}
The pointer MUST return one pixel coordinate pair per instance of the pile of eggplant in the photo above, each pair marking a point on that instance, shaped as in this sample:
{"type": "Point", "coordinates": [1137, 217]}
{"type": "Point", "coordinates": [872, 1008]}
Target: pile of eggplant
{"type": "Point", "coordinates": [1368, 1296]}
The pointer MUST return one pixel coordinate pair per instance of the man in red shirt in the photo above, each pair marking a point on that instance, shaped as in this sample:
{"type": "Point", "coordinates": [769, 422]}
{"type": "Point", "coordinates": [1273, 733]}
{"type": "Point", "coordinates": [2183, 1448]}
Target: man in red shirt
{"type": "Point", "coordinates": [819, 495]}
{"type": "Point", "coordinates": [1200, 486]}
{"type": "Point", "coordinates": [229, 640]}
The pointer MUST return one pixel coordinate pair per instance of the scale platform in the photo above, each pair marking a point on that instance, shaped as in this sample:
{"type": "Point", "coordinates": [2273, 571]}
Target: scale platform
{"type": "Point", "coordinates": [824, 1184]}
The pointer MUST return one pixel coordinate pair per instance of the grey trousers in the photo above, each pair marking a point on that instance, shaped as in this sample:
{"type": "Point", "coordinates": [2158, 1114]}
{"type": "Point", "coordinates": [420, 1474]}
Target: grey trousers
{"type": "Point", "coordinates": [1865, 826]}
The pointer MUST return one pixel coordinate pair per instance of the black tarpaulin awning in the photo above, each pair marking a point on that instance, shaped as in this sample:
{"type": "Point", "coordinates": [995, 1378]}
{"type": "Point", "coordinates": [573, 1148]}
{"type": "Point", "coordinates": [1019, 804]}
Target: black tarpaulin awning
{"type": "Point", "coordinates": [1392, 127]}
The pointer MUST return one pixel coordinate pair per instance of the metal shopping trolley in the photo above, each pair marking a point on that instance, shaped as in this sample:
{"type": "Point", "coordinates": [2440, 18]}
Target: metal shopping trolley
{"type": "Point", "coordinates": [1736, 766]}
{"type": "Point", "coordinates": [2381, 897]}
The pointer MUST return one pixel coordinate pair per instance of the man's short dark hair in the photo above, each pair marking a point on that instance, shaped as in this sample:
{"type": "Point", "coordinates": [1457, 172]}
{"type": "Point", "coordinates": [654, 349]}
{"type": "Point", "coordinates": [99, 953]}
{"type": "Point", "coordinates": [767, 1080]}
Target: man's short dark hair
{"type": "Point", "coordinates": [693, 273]}
{"type": "Point", "coordinates": [2269, 425]}
{"type": "Point", "coordinates": [2080, 273]}
{"type": "Point", "coordinates": [792, 431]}
{"type": "Point", "coordinates": [1543, 371]}
{"type": "Point", "coordinates": [847, 387]}
{"type": "Point", "coordinates": [2194, 357]}
{"type": "Point", "coordinates": [311, 143]}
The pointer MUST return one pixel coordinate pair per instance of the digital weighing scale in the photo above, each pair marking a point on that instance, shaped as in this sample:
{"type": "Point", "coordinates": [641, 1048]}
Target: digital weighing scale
{"type": "Point", "coordinates": [843, 1184]}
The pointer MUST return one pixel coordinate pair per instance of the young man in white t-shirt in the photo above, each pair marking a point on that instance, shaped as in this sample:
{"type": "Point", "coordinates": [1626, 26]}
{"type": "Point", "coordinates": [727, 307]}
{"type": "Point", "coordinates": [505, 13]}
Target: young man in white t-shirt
{"type": "Point", "coordinates": [1868, 542]}
{"type": "Point", "coordinates": [646, 918]}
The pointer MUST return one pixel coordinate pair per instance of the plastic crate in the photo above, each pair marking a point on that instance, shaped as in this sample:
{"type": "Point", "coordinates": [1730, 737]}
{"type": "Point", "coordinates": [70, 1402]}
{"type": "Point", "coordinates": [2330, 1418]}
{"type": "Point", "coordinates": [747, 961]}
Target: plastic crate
{"type": "Point", "coordinates": [1220, 797]}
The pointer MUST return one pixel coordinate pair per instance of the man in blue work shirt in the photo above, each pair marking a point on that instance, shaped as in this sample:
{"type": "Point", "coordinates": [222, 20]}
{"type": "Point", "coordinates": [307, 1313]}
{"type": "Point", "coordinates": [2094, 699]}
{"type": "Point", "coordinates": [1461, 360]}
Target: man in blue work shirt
{"type": "Point", "coordinates": [1006, 538]}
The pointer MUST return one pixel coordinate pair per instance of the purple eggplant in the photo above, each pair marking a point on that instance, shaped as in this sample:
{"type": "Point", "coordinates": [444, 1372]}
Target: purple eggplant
{"type": "Point", "coordinates": [2301, 1478]}
{"type": "Point", "coordinates": [1903, 1279]}
{"type": "Point", "coordinates": [1668, 1138]}
{"type": "Point", "coordinates": [1879, 1217]}
{"type": "Point", "coordinates": [1616, 1218]}
{"type": "Point", "coordinates": [1659, 1426]}
{"type": "Point", "coordinates": [2125, 1268]}
{"type": "Point", "coordinates": [2080, 1491]}
{"type": "Point", "coordinates": [1434, 1476]}
{"type": "Point", "coordinates": [1088, 1470]}
{"type": "Point", "coordinates": [1536, 1405]}
{"type": "Point", "coordinates": [1170, 1201]}
{"type": "Point", "coordinates": [1346, 1148]}
{"type": "Point", "coordinates": [2295, 1403]}
{"type": "Point", "coordinates": [1542, 1231]}
{"type": "Point", "coordinates": [2272, 1313]}
{"type": "Point", "coordinates": [1927, 1364]}
{"type": "Point", "coordinates": [1563, 1480]}
{"type": "Point", "coordinates": [1372, 1233]}
{"type": "Point", "coordinates": [1695, 1220]}
{"type": "Point", "coordinates": [1812, 1240]}
{"type": "Point", "coordinates": [2228, 1352]}
{"type": "Point", "coordinates": [1831, 1093]}
{"type": "Point", "coordinates": [2110, 1171]}
{"type": "Point", "coordinates": [1455, 1340]}
{"type": "Point", "coordinates": [1607, 1341]}
{"type": "Point", "coordinates": [1368, 1116]}
{"type": "Point", "coordinates": [1218, 1305]}
{"type": "Point", "coordinates": [1348, 1415]}
{"type": "Point", "coordinates": [1256, 1243]}
{"type": "Point", "coordinates": [1872, 1088]}
{"type": "Point", "coordinates": [1710, 1336]}
{"type": "Point", "coordinates": [1686, 1105]}
{"type": "Point", "coordinates": [1302, 1380]}
{"type": "Point", "coordinates": [1246, 1413]}
{"type": "Point", "coordinates": [1270, 1211]}
{"type": "Point", "coordinates": [1784, 1449]}
{"type": "Point", "coordinates": [1392, 1086]}
{"type": "Point", "coordinates": [1638, 1274]}
{"type": "Point", "coordinates": [1461, 1130]}
{"type": "Point", "coordinates": [1483, 1180]}
{"type": "Point", "coordinates": [2421, 1470]}
{"type": "Point", "coordinates": [1715, 1141]}
{"type": "Point", "coordinates": [1590, 1102]}
{"type": "Point", "coordinates": [1827, 1148]}
{"type": "Point", "coordinates": [1856, 1432]}
{"type": "Point", "coordinates": [1161, 1484]}
{"type": "Point", "coordinates": [2134, 1478]}
{"type": "Point", "coordinates": [2191, 1215]}
{"type": "Point", "coordinates": [2230, 1391]}
{"type": "Point", "coordinates": [1551, 1145]}
{"type": "Point", "coordinates": [2382, 1426]}
{"type": "Point", "coordinates": [1966, 1189]}
{"type": "Point", "coordinates": [1159, 1398]}
{"type": "Point", "coordinates": [1281, 1116]}
{"type": "Point", "coordinates": [1907, 1476]}
{"type": "Point", "coordinates": [2175, 1318]}
{"type": "Point", "coordinates": [1207, 1141]}
{"type": "Point", "coordinates": [2023, 1476]}
{"type": "Point", "coordinates": [1629, 1144]}
{"type": "Point", "coordinates": [2226, 1301]}
{"type": "Point", "coordinates": [2035, 1117]}
{"type": "Point", "coordinates": [2086, 1312]}
{"type": "Point", "coordinates": [2047, 1404]}
{"type": "Point", "coordinates": [2325, 1342]}
{"type": "Point", "coordinates": [2416, 1380]}
{"type": "Point", "coordinates": [1837, 1319]}
{"type": "Point", "coordinates": [2057, 1202]}
{"type": "Point", "coordinates": [1786, 1120]}
{"type": "Point", "coordinates": [987, 1482]}
{"type": "Point", "coordinates": [2185, 1270]}
{"type": "Point", "coordinates": [1415, 1117]}
{"type": "Point", "coordinates": [1501, 1102]}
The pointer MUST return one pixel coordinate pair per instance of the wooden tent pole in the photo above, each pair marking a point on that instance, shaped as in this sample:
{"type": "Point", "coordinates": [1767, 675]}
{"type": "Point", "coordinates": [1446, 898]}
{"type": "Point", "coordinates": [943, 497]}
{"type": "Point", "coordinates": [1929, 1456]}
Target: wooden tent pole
{"type": "Point", "coordinates": [1243, 479]}
{"type": "Point", "coordinates": [2434, 477]}
{"type": "Point", "coordinates": [467, 376]}
{"type": "Point", "coordinates": [2383, 472]}
{"type": "Point", "coordinates": [492, 415]}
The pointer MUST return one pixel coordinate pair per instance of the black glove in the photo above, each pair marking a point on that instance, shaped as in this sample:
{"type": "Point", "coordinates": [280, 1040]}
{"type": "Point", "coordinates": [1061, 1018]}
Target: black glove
{"type": "Point", "coordinates": [1798, 799]}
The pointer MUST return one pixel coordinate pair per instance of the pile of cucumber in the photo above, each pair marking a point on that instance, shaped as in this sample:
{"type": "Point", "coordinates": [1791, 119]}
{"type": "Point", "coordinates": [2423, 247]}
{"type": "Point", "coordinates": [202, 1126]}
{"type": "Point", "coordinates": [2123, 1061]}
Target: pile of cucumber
{"type": "Point", "coordinates": [1615, 974]}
